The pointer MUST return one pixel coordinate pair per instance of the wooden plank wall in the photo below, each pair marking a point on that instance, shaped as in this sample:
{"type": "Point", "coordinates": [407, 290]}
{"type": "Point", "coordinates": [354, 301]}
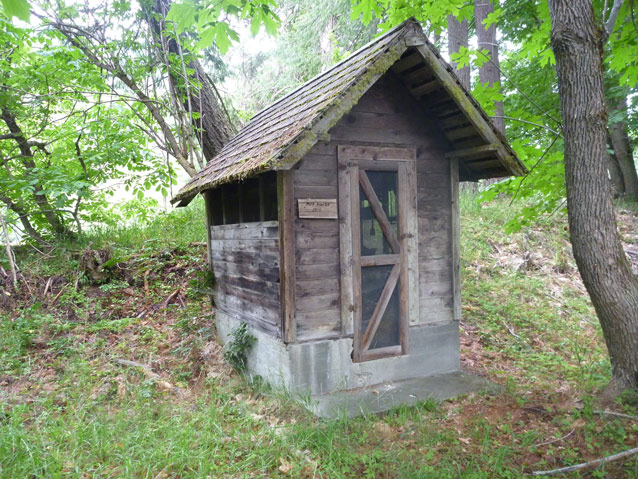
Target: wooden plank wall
{"type": "Point", "coordinates": [245, 263]}
{"type": "Point", "coordinates": [387, 115]}
{"type": "Point", "coordinates": [317, 249]}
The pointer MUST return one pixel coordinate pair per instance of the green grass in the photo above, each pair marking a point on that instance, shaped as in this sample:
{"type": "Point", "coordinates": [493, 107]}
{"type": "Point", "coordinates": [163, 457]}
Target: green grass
{"type": "Point", "coordinates": [177, 228]}
{"type": "Point", "coordinates": [68, 409]}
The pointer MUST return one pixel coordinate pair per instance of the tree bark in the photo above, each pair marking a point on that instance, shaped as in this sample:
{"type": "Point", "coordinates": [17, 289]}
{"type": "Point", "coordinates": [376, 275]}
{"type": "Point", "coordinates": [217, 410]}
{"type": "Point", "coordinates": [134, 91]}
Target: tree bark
{"type": "Point", "coordinates": [577, 41]}
{"type": "Point", "coordinates": [490, 71]}
{"type": "Point", "coordinates": [457, 33]}
{"type": "Point", "coordinates": [213, 125]}
{"type": "Point", "coordinates": [623, 149]}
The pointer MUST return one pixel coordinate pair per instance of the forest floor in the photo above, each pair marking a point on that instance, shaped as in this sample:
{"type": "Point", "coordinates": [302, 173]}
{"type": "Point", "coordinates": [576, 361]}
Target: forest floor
{"type": "Point", "coordinates": [125, 379]}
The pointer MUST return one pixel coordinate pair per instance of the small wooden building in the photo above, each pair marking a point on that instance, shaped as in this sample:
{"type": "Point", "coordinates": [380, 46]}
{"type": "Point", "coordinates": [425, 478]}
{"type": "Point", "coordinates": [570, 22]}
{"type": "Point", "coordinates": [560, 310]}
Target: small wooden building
{"type": "Point", "coordinates": [333, 219]}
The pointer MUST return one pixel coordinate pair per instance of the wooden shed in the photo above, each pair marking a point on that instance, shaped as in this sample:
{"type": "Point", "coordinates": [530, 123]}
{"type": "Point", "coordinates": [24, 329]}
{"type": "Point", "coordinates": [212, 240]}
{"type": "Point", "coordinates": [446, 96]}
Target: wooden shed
{"type": "Point", "coordinates": [333, 219]}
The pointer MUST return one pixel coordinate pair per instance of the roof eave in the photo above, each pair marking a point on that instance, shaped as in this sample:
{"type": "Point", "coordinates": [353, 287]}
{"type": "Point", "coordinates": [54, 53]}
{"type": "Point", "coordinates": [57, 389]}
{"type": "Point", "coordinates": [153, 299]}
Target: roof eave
{"type": "Point", "coordinates": [473, 112]}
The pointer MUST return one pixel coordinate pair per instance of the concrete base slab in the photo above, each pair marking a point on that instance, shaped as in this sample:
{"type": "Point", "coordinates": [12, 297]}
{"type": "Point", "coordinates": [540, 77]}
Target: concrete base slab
{"type": "Point", "coordinates": [385, 396]}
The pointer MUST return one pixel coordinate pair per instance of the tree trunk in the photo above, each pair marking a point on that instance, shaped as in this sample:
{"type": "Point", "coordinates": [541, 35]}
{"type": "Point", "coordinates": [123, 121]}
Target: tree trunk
{"type": "Point", "coordinates": [213, 127]}
{"type": "Point", "coordinates": [490, 71]}
{"type": "Point", "coordinates": [577, 42]}
{"type": "Point", "coordinates": [615, 174]}
{"type": "Point", "coordinates": [24, 219]}
{"type": "Point", "coordinates": [623, 149]}
{"type": "Point", "coordinates": [457, 33]}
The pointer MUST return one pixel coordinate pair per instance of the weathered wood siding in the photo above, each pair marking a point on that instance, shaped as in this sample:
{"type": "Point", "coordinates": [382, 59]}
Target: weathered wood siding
{"type": "Point", "coordinates": [387, 115]}
{"type": "Point", "coordinates": [317, 251]}
{"type": "Point", "coordinates": [245, 263]}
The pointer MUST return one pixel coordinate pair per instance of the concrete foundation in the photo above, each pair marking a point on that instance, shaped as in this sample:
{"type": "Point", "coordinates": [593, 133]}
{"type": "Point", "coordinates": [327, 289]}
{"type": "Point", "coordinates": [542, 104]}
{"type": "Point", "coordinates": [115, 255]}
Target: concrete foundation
{"type": "Point", "coordinates": [381, 397]}
{"type": "Point", "coordinates": [319, 368]}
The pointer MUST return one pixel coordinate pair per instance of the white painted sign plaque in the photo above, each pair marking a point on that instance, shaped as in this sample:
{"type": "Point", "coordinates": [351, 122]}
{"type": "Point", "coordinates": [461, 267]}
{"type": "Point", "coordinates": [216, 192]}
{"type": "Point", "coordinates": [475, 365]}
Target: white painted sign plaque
{"type": "Point", "coordinates": [324, 209]}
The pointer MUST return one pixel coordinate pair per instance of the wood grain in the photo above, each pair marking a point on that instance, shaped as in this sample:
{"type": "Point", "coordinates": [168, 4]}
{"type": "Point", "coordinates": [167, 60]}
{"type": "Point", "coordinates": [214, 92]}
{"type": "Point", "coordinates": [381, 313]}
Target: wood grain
{"type": "Point", "coordinates": [286, 208]}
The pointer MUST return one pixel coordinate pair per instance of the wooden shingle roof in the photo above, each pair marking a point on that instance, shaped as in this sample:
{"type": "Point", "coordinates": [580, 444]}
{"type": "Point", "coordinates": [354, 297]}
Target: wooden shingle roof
{"type": "Point", "coordinates": [279, 135]}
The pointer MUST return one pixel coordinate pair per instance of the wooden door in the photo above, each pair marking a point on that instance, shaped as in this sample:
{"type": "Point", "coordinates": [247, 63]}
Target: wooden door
{"type": "Point", "coordinates": [378, 234]}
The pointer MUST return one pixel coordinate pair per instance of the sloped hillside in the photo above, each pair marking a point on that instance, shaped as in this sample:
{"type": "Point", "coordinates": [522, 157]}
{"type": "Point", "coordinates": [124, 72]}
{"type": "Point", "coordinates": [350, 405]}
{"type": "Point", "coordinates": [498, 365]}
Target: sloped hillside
{"type": "Point", "coordinates": [117, 374]}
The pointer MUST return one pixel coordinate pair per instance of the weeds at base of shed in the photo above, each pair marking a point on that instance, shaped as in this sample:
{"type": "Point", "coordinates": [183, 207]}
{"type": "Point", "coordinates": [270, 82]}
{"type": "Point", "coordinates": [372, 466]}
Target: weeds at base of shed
{"type": "Point", "coordinates": [69, 409]}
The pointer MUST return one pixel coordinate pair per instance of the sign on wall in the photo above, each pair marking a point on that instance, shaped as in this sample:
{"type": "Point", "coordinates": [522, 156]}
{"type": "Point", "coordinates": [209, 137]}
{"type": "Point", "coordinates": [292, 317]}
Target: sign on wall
{"type": "Point", "coordinates": [324, 209]}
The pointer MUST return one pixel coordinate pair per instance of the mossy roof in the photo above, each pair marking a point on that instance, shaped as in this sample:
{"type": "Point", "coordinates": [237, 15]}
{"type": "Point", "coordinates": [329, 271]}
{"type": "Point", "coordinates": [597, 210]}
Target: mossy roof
{"type": "Point", "coordinates": [280, 134]}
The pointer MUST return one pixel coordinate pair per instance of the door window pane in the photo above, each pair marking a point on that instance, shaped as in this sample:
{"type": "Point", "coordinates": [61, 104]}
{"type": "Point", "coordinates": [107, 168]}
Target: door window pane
{"type": "Point", "coordinates": [388, 331]}
{"type": "Point", "coordinates": [384, 184]}
{"type": "Point", "coordinates": [373, 280]}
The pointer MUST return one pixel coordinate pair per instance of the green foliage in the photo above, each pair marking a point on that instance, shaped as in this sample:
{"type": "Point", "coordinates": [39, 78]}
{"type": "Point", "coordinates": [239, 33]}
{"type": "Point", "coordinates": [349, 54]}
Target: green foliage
{"type": "Point", "coordinates": [238, 346]}
{"type": "Point", "coordinates": [210, 19]}
{"type": "Point", "coordinates": [17, 335]}
{"type": "Point", "coordinates": [17, 8]}
{"type": "Point", "coordinates": [90, 100]}
{"type": "Point", "coordinates": [629, 397]}
{"type": "Point", "coordinates": [431, 12]}
{"type": "Point", "coordinates": [312, 37]}
{"type": "Point", "coordinates": [528, 85]}
{"type": "Point", "coordinates": [80, 139]}
{"type": "Point", "coordinates": [113, 325]}
{"type": "Point", "coordinates": [161, 230]}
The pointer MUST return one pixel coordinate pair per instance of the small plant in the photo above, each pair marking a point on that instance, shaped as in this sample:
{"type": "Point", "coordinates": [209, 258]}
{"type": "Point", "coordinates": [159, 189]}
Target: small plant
{"type": "Point", "coordinates": [202, 285]}
{"type": "Point", "coordinates": [237, 348]}
{"type": "Point", "coordinates": [629, 398]}
{"type": "Point", "coordinates": [113, 286]}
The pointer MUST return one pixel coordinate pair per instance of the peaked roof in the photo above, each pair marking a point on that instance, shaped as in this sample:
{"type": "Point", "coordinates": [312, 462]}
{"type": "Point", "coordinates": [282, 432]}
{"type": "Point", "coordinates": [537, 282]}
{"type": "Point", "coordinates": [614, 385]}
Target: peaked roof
{"type": "Point", "coordinates": [280, 134]}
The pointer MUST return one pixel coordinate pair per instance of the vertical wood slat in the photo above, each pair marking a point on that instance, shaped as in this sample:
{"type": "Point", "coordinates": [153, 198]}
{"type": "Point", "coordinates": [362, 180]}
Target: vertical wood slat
{"type": "Point", "coordinates": [286, 207]}
{"type": "Point", "coordinates": [356, 259]}
{"type": "Point", "coordinates": [404, 280]}
{"type": "Point", "coordinates": [345, 246]}
{"type": "Point", "coordinates": [404, 232]}
{"type": "Point", "coordinates": [455, 231]}
{"type": "Point", "coordinates": [410, 236]}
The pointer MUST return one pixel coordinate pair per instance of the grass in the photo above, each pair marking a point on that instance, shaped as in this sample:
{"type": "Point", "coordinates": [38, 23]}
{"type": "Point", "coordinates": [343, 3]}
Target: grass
{"type": "Point", "coordinates": [177, 228]}
{"type": "Point", "coordinates": [68, 409]}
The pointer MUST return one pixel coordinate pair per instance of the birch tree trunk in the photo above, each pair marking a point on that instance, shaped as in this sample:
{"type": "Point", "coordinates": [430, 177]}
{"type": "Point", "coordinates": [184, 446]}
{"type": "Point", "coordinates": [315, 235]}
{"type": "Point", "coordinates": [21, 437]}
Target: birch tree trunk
{"type": "Point", "coordinates": [577, 41]}
{"type": "Point", "coordinates": [490, 71]}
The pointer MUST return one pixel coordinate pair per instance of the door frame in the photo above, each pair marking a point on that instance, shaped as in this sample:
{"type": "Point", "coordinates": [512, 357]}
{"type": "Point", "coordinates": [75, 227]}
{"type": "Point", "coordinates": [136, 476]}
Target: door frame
{"type": "Point", "coordinates": [402, 160]}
